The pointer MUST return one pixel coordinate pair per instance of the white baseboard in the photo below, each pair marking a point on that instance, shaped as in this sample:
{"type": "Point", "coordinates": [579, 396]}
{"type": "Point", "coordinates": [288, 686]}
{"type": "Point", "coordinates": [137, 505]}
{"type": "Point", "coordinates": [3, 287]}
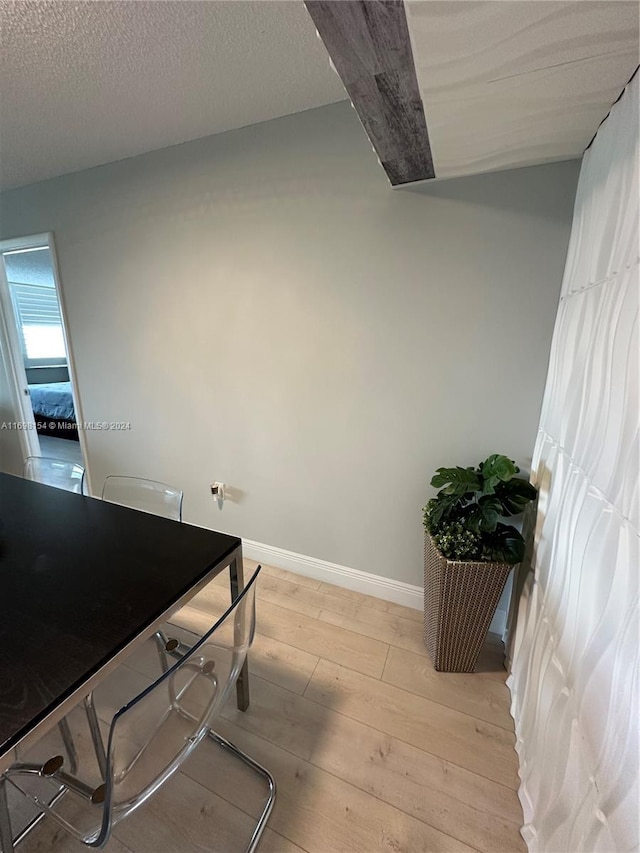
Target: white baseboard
{"type": "Point", "coordinates": [354, 579]}
{"type": "Point", "coordinates": [311, 567]}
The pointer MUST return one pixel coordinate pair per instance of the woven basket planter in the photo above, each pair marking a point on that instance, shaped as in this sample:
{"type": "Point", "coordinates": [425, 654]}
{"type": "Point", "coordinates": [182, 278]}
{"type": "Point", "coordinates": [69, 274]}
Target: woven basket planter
{"type": "Point", "coordinates": [459, 602]}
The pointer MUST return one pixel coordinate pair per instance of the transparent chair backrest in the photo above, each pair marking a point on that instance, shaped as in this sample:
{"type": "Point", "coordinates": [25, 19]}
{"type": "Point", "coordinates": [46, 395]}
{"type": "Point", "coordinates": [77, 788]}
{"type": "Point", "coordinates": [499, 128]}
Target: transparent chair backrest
{"type": "Point", "coordinates": [154, 733]}
{"type": "Point", "coordinates": [55, 472]}
{"type": "Point", "coordinates": [146, 495]}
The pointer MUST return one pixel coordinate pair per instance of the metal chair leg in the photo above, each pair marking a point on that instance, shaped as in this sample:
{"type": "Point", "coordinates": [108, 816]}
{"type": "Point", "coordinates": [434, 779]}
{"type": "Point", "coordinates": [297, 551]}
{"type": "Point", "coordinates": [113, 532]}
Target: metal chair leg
{"type": "Point", "coordinates": [262, 771]}
{"type": "Point", "coordinates": [40, 817]}
{"type": "Point", "coordinates": [69, 745]}
{"type": "Point", "coordinates": [5, 821]}
{"type": "Point", "coordinates": [96, 735]}
{"type": "Point", "coordinates": [6, 837]}
{"type": "Point", "coordinates": [161, 647]}
{"type": "Point", "coordinates": [52, 770]}
{"type": "Point", "coordinates": [236, 578]}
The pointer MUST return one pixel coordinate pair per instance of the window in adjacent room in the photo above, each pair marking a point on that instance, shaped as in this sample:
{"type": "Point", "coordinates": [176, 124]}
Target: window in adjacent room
{"type": "Point", "coordinates": [35, 302]}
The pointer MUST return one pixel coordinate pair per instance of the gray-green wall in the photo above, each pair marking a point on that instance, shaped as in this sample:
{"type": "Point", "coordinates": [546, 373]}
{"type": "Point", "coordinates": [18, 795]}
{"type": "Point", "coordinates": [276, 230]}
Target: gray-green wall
{"type": "Point", "coordinates": [266, 311]}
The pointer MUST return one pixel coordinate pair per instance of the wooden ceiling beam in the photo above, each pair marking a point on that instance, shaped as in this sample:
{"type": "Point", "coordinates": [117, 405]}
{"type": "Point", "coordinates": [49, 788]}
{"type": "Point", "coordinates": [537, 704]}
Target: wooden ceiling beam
{"type": "Point", "coordinates": [368, 42]}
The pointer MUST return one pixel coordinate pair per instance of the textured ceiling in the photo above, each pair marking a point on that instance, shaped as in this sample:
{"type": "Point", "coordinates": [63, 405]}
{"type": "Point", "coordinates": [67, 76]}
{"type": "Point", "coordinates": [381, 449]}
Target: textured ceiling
{"type": "Point", "coordinates": [92, 82]}
{"type": "Point", "coordinates": [508, 83]}
{"type": "Point", "coordinates": [505, 83]}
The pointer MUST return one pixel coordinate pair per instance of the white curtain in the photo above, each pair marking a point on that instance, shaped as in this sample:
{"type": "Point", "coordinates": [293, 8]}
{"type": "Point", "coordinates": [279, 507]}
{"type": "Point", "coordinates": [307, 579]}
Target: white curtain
{"type": "Point", "coordinates": [574, 675]}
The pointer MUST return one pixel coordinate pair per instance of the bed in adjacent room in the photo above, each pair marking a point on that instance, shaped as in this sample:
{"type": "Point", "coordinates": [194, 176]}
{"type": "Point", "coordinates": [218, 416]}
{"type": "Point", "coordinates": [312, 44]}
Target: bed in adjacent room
{"type": "Point", "coordinates": [52, 404]}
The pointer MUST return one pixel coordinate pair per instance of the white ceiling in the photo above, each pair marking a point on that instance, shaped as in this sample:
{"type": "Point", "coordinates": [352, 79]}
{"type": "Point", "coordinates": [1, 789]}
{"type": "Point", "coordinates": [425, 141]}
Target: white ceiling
{"type": "Point", "coordinates": [86, 83]}
{"type": "Point", "coordinates": [508, 83]}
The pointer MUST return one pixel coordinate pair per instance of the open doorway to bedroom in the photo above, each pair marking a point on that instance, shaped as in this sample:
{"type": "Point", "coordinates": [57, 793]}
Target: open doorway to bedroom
{"type": "Point", "coordinates": [38, 348]}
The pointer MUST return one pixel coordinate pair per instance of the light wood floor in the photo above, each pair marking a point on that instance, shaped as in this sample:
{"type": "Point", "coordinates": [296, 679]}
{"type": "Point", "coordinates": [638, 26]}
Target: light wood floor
{"type": "Point", "coordinates": [61, 448]}
{"type": "Point", "coordinates": [371, 748]}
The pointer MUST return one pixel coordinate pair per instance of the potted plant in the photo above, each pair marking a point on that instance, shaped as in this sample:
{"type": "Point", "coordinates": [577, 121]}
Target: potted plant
{"type": "Point", "coordinates": [469, 553]}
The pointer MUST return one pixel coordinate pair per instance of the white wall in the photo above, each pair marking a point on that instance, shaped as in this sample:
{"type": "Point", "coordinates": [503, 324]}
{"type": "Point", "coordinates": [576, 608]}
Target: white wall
{"type": "Point", "coordinates": [575, 660]}
{"type": "Point", "coordinates": [266, 311]}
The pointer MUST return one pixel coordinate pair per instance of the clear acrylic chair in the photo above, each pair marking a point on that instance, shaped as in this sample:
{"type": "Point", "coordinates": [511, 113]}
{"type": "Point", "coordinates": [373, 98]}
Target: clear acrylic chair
{"type": "Point", "coordinates": [55, 472]}
{"type": "Point", "coordinates": [146, 495]}
{"type": "Point", "coordinates": [152, 734]}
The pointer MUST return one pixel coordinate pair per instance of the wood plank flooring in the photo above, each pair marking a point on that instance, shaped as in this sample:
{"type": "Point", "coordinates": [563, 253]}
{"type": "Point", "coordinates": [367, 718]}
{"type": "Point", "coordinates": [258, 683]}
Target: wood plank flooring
{"type": "Point", "coordinates": [60, 448]}
{"type": "Point", "coordinates": [371, 748]}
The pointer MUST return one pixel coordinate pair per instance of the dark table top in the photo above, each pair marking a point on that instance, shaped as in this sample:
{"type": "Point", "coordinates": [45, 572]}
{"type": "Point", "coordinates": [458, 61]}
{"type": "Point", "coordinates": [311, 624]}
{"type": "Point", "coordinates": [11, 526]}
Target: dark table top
{"type": "Point", "coordinates": [79, 580]}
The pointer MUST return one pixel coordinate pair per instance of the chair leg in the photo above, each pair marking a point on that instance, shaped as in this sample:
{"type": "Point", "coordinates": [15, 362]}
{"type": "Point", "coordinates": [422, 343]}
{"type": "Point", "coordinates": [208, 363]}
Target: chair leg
{"type": "Point", "coordinates": [169, 647]}
{"type": "Point", "coordinates": [161, 641]}
{"type": "Point", "coordinates": [96, 735]}
{"type": "Point", "coordinates": [6, 837]}
{"type": "Point", "coordinates": [52, 770]}
{"type": "Point", "coordinates": [262, 771]}
{"type": "Point", "coordinates": [36, 820]}
{"type": "Point", "coordinates": [236, 578]}
{"type": "Point", "coordinates": [69, 745]}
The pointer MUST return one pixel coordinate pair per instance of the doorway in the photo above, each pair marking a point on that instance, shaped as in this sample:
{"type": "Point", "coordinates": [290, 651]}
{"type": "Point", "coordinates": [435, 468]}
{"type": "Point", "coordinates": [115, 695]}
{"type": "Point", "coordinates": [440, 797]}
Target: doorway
{"type": "Point", "coordinates": [40, 364]}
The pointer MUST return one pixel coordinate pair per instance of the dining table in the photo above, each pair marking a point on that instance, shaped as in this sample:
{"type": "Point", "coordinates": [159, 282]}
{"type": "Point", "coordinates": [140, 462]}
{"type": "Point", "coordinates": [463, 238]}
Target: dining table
{"type": "Point", "coordinates": [82, 583]}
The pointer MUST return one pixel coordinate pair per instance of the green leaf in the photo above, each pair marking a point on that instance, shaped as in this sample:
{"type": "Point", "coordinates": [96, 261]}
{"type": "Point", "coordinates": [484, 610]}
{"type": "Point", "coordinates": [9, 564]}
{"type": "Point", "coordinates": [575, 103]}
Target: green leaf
{"type": "Point", "coordinates": [496, 469]}
{"type": "Point", "coordinates": [472, 518]}
{"type": "Point", "coordinates": [504, 545]}
{"type": "Point", "coordinates": [483, 516]}
{"type": "Point", "coordinates": [439, 509]}
{"type": "Point", "coordinates": [515, 495]}
{"type": "Point", "coordinates": [489, 486]}
{"type": "Point", "coordinates": [456, 481]}
{"type": "Point", "coordinates": [491, 509]}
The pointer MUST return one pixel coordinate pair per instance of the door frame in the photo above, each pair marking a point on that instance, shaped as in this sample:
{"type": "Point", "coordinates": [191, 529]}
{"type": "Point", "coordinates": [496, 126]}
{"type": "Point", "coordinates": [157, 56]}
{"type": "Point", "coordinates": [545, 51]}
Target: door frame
{"type": "Point", "coordinates": [29, 438]}
{"type": "Point", "coordinates": [29, 441]}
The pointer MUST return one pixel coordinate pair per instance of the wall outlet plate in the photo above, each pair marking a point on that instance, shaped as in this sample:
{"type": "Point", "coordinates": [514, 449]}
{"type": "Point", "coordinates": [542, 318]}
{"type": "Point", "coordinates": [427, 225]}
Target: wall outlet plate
{"type": "Point", "coordinates": [217, 490]}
